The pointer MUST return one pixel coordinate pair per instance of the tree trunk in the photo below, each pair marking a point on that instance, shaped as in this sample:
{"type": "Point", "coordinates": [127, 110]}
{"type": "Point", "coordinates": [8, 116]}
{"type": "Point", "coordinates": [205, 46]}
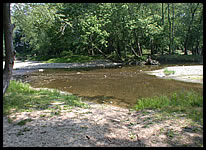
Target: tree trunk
{"type": "Point", "coordinates": [188, 31]}
{"type": "Point", "coordinates": [162, 25]}
{"type": "Point", "coordinates": [139, 49]}
{"type": "Point", "coordinates": [133, 51]}
{"type": "Point", "coordinates": [162, 13]}
{"type": "Point", "coordinates": [9, 60]}
{"type": "Point", "coordinates": [169, 28]}
{"type": "Point", "coordinates": [198, 37]}
{"type": "Point", "coordinates": [151, 46]}
{"type": "Point", "coordinates": [173, 17]}
{"type": "Point", "coordinates": [137, 43]}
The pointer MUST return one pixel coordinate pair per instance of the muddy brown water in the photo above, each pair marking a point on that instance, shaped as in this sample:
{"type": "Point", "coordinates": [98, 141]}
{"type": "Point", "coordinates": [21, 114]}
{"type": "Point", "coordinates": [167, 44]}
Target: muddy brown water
{"type": "Point", "coordinates": [117, 86]}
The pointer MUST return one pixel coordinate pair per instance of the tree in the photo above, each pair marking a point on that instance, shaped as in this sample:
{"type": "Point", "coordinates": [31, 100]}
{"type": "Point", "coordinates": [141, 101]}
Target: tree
{"type": "Point", "coordinates": [9, 53]}
{"type": "Point", "coordinates": [169, 28]}
{"type": "Point", "coordinates": [115, 30]}
{"type": "Point", "coordinates": [192, 11]}
{"type": "Point", "coordinates": [173, 18]}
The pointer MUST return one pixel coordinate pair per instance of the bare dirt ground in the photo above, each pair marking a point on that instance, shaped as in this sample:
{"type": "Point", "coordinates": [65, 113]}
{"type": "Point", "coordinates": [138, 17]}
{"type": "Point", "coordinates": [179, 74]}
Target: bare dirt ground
{"type": "Point", "coordinates": [100, 125]}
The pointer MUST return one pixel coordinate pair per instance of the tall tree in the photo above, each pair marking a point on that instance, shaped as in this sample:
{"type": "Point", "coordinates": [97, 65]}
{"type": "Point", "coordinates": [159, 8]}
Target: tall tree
{"type": "Point", "coordinates": [173, 18]}
{"type": "Point", "coordinates": [162, 13]}
{"type": "Point", "coordinates": [169, 28]}
{"type": "Point", "coordinates": [9, 53]}
{"type": "Point", "coordinates": [192, 10]}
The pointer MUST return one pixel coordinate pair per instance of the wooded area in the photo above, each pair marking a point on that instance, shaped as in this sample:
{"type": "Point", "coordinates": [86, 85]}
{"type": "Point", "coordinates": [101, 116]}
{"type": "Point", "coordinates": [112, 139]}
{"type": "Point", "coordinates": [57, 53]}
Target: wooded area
{"type": "Point", "coordinates": [113, 30]}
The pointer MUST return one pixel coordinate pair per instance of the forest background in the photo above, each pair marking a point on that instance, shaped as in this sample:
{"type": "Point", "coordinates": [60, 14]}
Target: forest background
{"type": "Point", "coordinates": [117, 31]}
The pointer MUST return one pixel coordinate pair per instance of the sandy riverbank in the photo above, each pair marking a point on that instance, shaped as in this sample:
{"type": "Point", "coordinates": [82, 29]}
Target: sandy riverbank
{"type": "Point", "coordinates": [192, 74]}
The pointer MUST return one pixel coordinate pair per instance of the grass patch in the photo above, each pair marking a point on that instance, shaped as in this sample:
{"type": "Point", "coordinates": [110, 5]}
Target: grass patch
{"type": "Point", "coordinates": [20, 97]}
{"type": "Point", "coordinates": [168, 72]}
{"type": "Point", "coordinates": [73, 59]}
{"type": "Point", "coordinates": [190, 103]}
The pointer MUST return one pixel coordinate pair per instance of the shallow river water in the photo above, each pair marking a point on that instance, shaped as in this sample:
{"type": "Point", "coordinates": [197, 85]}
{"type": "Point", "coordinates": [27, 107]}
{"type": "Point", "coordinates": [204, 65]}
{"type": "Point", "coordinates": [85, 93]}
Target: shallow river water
{"type": "Point", "coordinates": [117, 86]}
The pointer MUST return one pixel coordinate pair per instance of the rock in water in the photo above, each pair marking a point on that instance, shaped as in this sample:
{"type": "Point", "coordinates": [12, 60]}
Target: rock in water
{"type": "Point", "coordinates": [41, 70]}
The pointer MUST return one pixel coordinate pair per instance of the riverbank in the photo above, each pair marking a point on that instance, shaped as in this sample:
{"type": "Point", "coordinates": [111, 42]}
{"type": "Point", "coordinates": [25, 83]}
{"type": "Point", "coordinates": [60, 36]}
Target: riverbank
{"type": "Point", "coordinates": [40, 65]}
{"type": "Point", "coordinates": [23, 67]}
{"type": "Point", "coordinates": [96, 125]}
{"type": "Point", "coordinates": [192, 74]}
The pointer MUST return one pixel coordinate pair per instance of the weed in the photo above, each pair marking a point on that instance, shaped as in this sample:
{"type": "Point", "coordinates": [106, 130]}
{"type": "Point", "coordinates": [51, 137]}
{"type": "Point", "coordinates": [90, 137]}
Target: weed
{"type": "Point", "coordinates": [132, 135]}
{"type": "Point", "coordinates": [23, 122]}
{"type": "Point", "coordinates": [23, 130]}
{"type": "Point", "coordinates": [168, 72]}
{"type": "Point", "coordinates": [42, 115]}
{"type": "Point", "coordinates": [171, 133]}
{"type": "Point", "coordinates": [84, 127]}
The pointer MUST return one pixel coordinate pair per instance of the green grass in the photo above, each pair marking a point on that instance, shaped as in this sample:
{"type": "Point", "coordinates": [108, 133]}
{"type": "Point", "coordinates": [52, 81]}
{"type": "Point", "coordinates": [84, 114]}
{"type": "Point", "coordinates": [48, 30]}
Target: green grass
{"type": "Point", "coordinates": [73, 59]}
{"type": "Point", "coordinates": [190, 103]}
{"type": "Point", "coordinates": [168, 72]}
{"type": "Point", "coordinates": [20, 97]}
{"type": "Point", "coordinates": [23, 122]}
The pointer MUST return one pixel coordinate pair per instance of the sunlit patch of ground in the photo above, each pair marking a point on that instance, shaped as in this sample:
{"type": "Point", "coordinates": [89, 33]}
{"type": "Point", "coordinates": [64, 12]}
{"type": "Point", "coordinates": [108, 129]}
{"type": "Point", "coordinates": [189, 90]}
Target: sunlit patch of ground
{"type": "Point", "coordinates": [183, 73]}
{"type": "Point", "coordinates": [100, 125]}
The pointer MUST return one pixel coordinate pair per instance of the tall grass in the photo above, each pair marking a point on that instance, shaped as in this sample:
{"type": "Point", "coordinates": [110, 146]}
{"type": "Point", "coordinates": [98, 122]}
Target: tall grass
{"type": "Point", "coordinates": [190, 103]}
{"type": "Point", "coordinates": [21, 97]}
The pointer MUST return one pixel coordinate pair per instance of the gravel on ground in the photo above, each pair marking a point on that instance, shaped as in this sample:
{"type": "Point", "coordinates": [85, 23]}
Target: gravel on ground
{"type": "Point", "coordinates": [100, 125]}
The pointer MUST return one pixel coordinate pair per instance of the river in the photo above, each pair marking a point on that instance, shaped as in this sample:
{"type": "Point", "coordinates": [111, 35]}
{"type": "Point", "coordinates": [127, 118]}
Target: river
{"type": "Point", "coordinates": [121, 86]}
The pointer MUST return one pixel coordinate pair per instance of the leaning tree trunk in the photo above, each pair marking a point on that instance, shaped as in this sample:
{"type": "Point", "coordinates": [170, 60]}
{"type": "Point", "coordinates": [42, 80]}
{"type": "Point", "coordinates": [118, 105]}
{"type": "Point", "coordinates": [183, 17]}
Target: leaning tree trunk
{"type": "Point", "coordinates": [9, 58]}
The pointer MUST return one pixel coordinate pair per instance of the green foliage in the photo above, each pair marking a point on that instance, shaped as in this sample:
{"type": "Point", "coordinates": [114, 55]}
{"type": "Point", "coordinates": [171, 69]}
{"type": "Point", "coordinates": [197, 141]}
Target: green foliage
{"type": "Point", "coordinates": [168, 72]}
{"type": "Point", "coordinates": [21, 97]}
{"type": "Point", "coordinates": [179, 58]}
{"type": "Point", "coordinates": [48, 29]}
{"type": "Point", "coordinates": [190, 103]}
{"type": "Point", "coordinates": [73, 59]}
{"type": "Point", "coordinates": [23, 122]}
